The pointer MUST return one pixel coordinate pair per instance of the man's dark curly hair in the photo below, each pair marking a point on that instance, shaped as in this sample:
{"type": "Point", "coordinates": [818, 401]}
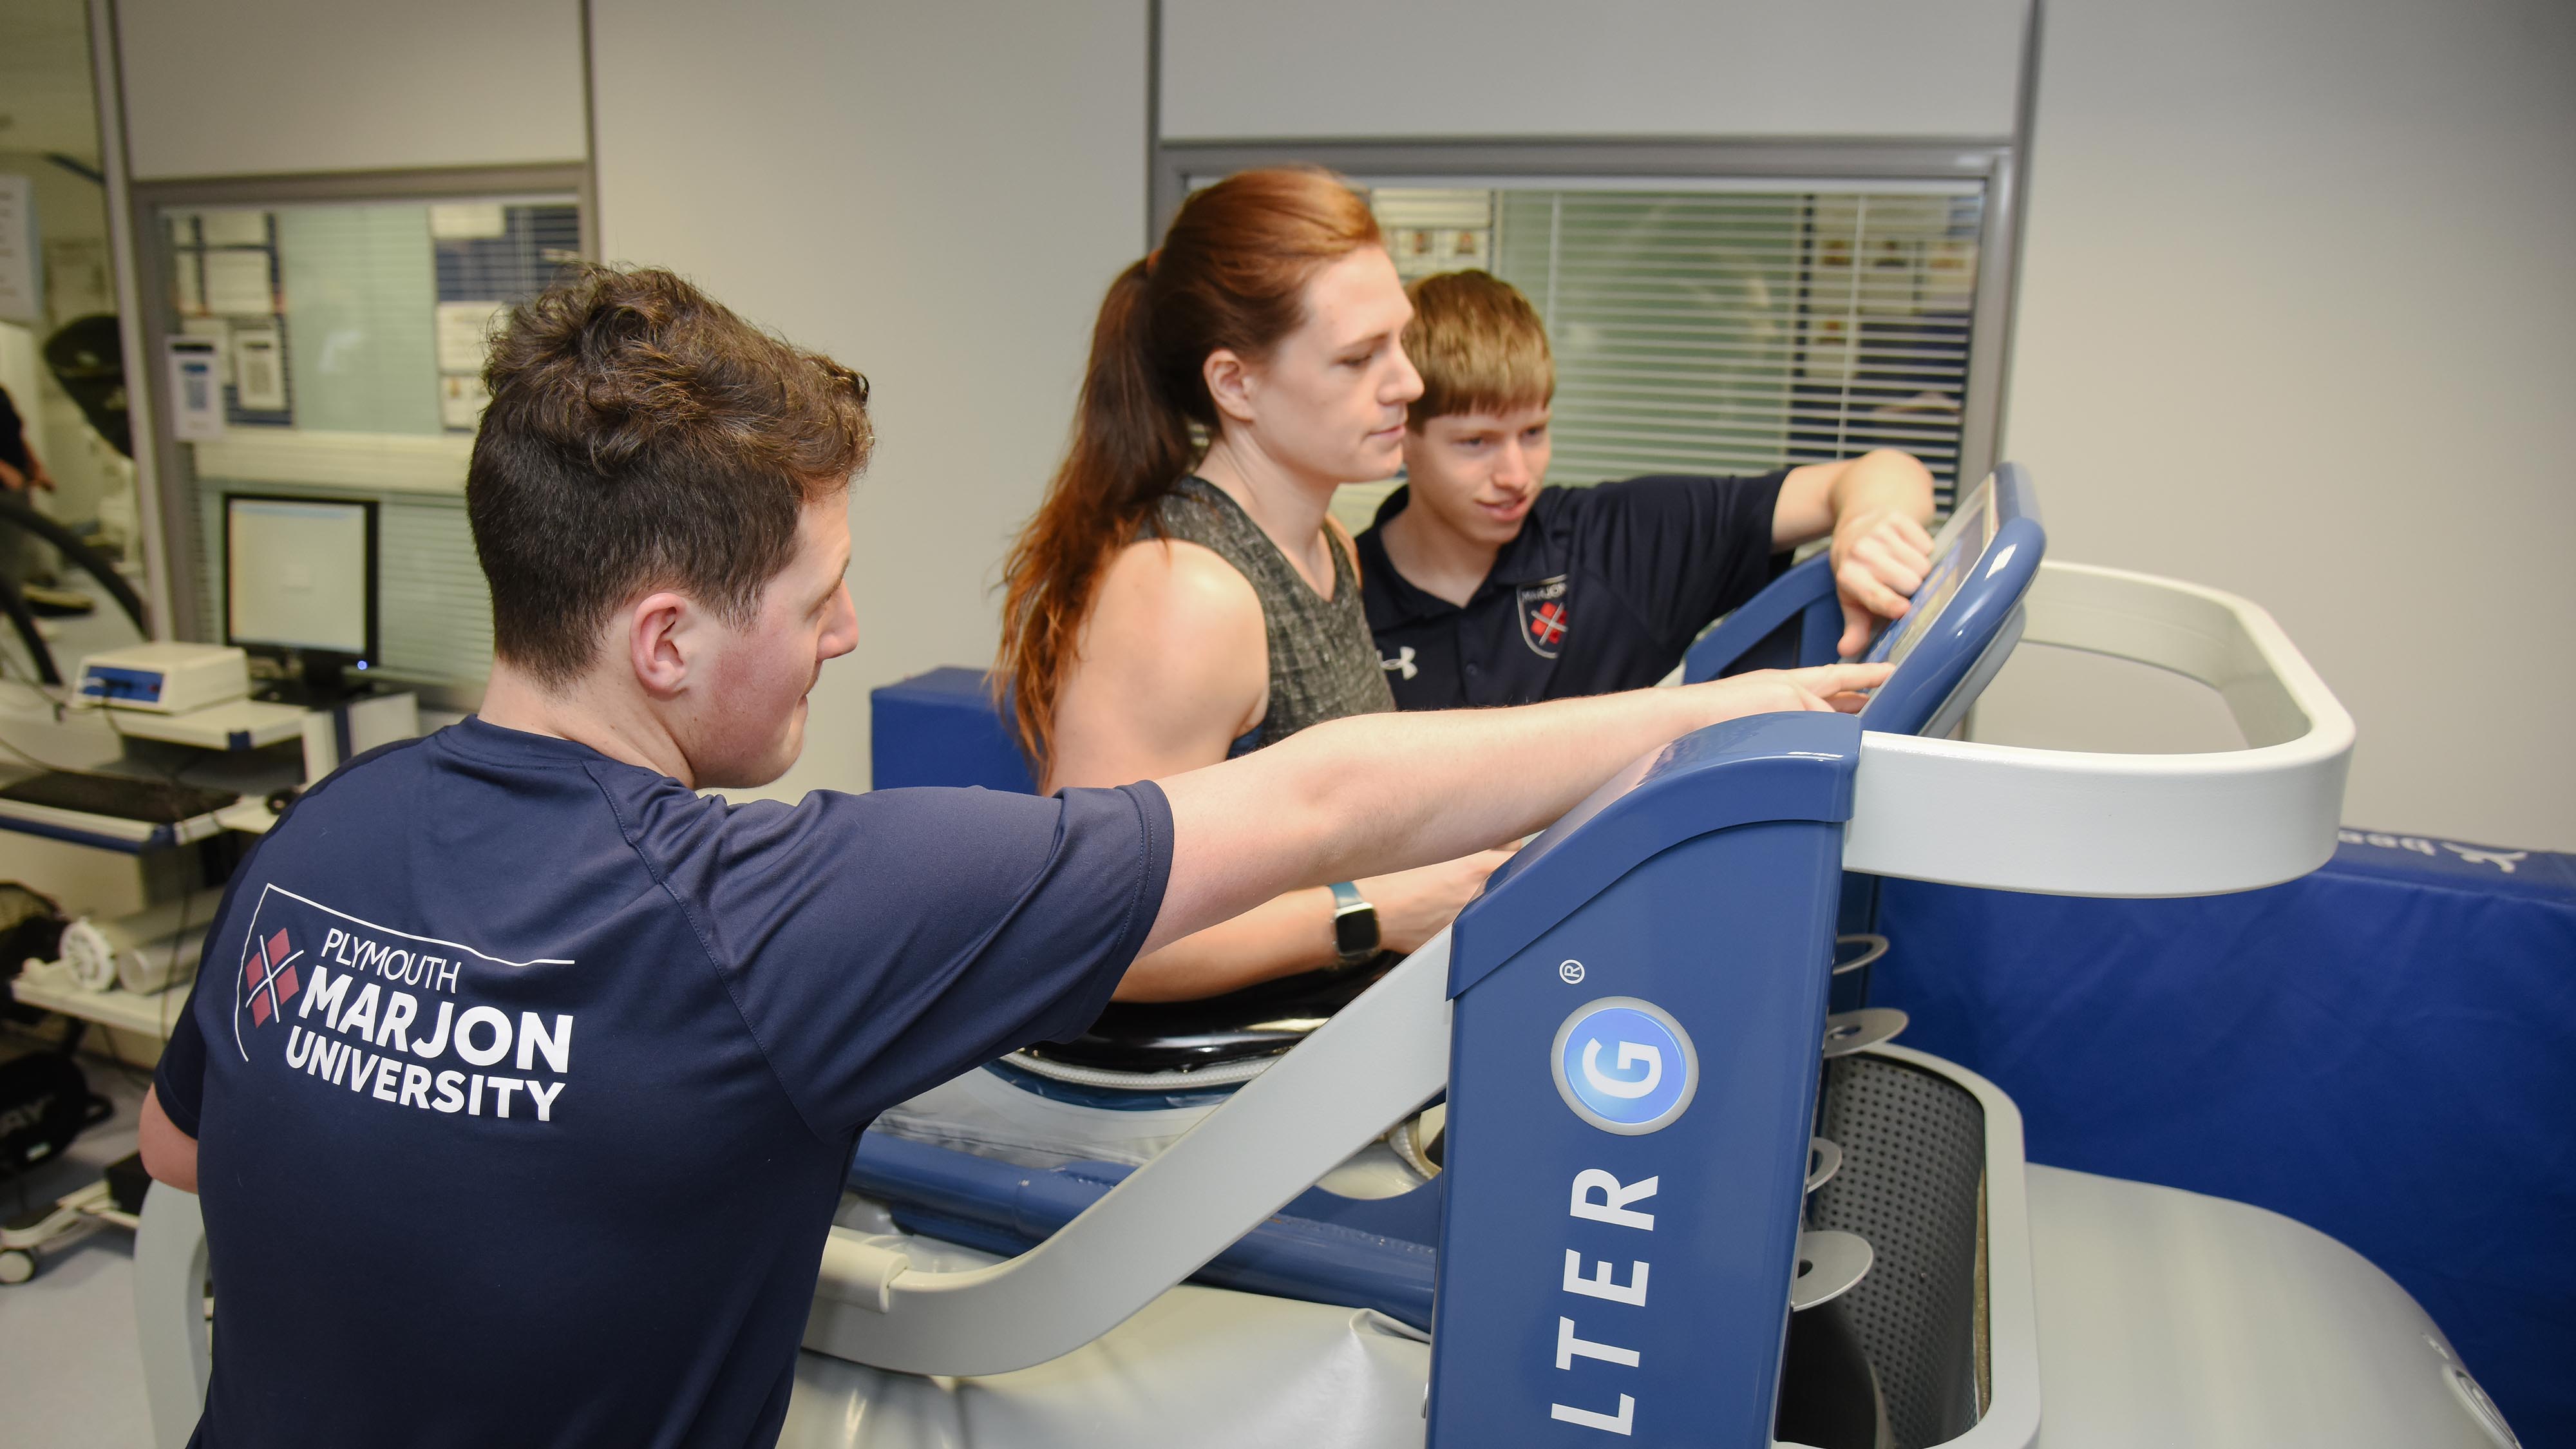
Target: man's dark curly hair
{"type": "Point", "coordinates": [643, 437]}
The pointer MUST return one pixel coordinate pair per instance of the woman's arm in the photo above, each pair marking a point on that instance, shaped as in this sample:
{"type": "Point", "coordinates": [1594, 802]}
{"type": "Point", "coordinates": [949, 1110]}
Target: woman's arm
{"type": "Point", "coordinates": [1385, 791]}
{"type": "Point", "coordinates": [1294, 932]}
{"type": "Point", "coordinates": [1172, 665]}
{"type": "Point", "coordinates": [1175, 665]}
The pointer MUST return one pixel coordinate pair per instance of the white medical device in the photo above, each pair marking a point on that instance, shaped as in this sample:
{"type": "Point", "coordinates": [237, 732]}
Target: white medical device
{"type": "Point", "coordinates": [166, 678]}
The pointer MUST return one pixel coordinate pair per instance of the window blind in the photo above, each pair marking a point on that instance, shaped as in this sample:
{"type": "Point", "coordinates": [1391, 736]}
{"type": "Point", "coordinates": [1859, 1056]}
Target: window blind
{"type": "Point", "coordinates": [1726, 330]}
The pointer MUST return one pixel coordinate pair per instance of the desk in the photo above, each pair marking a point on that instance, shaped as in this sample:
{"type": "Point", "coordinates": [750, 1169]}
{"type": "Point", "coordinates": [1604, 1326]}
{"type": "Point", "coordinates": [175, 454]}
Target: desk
{"type": "Point", "coordinates": [247, 816]}
{"type": "Point", "coordinates": [240, 724]}
{"type": "Point", "coordinates": [229, 748]}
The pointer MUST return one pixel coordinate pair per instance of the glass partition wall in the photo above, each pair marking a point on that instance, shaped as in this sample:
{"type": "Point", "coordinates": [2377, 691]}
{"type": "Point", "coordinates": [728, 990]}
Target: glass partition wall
{"type": "Point", "coordinates": [346, 320]}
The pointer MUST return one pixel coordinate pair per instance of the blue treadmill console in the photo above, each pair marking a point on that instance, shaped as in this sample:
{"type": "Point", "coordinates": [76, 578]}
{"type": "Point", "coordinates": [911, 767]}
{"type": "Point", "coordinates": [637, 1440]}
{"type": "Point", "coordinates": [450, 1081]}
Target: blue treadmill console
{"type": "Point", "coordinates": [1964, 623]}
{"type": "Point", "coordinates": [1966, 617]}
{"type": "Point", "coordinates": [1634, 1054]}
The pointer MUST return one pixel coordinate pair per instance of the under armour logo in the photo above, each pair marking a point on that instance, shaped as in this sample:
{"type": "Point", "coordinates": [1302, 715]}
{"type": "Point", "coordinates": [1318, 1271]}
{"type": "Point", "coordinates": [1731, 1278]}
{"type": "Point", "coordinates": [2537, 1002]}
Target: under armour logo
{"type": "Point", "coordinates": [1402, 663]}
{"type": "Point", "coordinates": [2502, 860]}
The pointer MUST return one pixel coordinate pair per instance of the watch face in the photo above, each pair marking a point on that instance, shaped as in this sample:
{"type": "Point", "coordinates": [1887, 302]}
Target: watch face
{"type": "Point", "coordinates": [1355, 931]}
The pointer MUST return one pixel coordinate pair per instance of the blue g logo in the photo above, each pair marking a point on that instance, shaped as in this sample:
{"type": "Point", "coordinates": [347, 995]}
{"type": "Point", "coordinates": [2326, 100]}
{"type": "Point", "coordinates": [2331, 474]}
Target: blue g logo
{"type": "Point", "coordinates": [1624, 1065]}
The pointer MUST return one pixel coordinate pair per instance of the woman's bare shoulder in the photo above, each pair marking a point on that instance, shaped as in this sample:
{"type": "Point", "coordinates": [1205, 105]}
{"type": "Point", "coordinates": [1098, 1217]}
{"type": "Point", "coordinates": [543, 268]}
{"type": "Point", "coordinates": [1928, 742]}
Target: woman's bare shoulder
{"type": "Point", "coordinates": [1173, 665]}
{"type": "Point", "coordinates": [1175, 589]}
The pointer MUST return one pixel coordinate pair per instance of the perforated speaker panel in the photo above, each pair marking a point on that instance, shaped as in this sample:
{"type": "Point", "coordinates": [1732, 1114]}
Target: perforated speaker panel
{"type": "Point", "coordinates": [1912, 1183]}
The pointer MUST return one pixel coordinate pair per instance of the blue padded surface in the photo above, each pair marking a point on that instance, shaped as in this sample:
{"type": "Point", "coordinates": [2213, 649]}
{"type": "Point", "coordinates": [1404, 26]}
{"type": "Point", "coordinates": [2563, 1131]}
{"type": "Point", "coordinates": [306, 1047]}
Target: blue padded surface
{"type": "Point", "coordinates": [942, 728]}
{"type": "Point", "coordinates": [2384, 1050]}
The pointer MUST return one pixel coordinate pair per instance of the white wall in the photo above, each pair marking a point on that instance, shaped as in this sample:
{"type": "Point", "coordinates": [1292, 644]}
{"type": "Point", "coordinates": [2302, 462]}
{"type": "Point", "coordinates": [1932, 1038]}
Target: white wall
{"type": "Point", "coordinates": [2298, 320]}
{"type": "Point", "coordinates": [1246, 68]}
{"type": "Point", "coordinates": [256, 87]}
{"type": "Point", "coordinates": [936, 195]}
{"type": "Point", "coordinates": [2294, 319]}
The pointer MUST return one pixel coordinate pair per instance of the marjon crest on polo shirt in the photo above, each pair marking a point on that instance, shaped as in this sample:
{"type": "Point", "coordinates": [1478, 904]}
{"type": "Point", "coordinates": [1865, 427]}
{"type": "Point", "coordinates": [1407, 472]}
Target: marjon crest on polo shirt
{"type": "Point", "coordinates": [1543, 617]}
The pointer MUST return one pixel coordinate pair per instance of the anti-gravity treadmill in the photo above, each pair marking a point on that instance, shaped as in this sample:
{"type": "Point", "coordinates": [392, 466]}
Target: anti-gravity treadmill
{"type": "Point", "coordinates": [1678, 1201]}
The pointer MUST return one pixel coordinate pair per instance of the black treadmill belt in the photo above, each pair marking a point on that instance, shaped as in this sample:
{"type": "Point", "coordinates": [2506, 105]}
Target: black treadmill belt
{"type": "Point", "coordinates": [154, 802]}
{"type": "Point", "coordinates": [1258, 1021]}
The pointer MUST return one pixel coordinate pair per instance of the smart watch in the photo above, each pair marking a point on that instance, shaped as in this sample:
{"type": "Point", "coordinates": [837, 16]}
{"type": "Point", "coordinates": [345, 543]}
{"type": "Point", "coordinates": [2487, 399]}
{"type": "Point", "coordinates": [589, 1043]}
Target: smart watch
{"type": "Point", "coordinates": [1354, 925]}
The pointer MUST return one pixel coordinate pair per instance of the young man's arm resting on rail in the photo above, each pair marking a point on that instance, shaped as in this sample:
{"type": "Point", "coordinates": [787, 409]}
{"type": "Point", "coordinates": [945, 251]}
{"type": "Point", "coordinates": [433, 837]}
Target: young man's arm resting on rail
{"type": "Point", "coordinates": [1383, 792]}
{"type": "Point", "coordinates": [1875, 506]}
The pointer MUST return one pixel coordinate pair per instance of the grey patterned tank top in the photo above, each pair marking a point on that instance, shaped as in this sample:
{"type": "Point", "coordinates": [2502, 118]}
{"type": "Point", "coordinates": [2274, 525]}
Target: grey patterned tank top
{"type": "Point", "coordinates": [1323, 660]}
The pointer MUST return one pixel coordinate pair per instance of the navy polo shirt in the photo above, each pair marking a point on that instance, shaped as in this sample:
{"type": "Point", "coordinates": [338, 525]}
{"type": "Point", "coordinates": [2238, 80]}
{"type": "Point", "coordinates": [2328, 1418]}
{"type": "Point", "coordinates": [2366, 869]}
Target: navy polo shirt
{"type": "Point", "coordinates": [524, 1081]}
{"type": "Point", "coordinates": [1603, 589]}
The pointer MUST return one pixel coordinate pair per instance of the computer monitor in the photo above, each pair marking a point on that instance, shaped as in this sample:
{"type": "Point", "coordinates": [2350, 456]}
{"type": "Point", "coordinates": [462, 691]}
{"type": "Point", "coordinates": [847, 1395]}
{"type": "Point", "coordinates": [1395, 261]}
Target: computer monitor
{"type": "Point", "coordinates": [300, 586]}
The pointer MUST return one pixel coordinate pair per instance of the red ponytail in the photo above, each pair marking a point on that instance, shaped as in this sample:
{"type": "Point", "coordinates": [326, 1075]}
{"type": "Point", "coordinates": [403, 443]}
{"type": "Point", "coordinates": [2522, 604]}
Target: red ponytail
{"type": "Point", "coordinates": [1231, 273]}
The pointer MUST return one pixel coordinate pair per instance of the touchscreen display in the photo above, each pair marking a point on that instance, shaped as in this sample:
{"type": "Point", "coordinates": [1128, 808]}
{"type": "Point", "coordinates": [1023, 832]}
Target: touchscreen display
{"type": "Point", "coordinates": [1961, 542]}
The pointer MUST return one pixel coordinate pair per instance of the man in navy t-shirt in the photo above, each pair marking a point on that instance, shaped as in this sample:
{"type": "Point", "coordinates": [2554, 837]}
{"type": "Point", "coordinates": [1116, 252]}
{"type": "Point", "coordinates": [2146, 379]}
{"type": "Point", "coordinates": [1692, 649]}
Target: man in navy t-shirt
{"type": "Point", "coordinates": [521, 1079]}
{"type": "Point", "coordinates": [1484, 586]}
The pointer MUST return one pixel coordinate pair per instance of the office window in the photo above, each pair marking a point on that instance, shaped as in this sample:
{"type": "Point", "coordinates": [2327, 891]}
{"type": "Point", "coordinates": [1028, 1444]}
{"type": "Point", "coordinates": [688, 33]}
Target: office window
{"type": "Point", "coordinates": [1726, 328]}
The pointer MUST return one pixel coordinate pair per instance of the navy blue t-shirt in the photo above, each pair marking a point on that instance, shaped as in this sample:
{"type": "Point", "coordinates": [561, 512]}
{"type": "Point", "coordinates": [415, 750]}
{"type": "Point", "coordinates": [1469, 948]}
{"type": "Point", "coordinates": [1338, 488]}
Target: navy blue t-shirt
{"type": "Point", "coordinates": [1603, 589]}
{"type": "Point", "coordinates": [524, 1081]}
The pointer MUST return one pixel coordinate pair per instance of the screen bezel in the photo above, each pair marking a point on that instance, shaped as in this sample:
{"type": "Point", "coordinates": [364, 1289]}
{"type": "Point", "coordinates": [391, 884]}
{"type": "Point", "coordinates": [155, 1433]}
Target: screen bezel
{"type": "Point", "coordinates": [1952, 558]}
{"type": "Point", "coordinates": [278, 648]}
{"type": "Point", "coordinates": [1946, 653]}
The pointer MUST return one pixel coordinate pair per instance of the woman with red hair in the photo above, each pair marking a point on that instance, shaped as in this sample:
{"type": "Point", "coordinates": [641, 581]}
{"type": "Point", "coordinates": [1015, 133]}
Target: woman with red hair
{"type": "Point", "coordinates": [1182, 596]}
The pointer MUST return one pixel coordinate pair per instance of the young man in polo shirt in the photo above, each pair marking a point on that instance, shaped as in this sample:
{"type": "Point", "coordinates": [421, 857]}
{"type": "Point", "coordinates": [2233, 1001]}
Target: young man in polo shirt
{"type": "Point", "coordinates": [522, 1079]}
{"type": "Point", "coordinates": [1484, 586]}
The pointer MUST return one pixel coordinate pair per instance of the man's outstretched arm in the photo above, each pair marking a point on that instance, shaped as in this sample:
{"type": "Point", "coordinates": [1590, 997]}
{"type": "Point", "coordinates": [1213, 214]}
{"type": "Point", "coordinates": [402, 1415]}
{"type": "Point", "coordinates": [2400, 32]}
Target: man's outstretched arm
{"type": "Point", "coordinates": [1383, 792]}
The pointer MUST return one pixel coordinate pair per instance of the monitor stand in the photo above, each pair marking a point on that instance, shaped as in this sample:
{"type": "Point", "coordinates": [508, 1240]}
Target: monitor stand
{"type": "Point", "coordinates": [320, 682]}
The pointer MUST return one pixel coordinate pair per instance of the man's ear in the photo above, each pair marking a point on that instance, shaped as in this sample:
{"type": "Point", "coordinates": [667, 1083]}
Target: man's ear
{"type": "Point", "coordinates": [661, 642]}
{"type": "Point", "coordinates": [1230, 382]}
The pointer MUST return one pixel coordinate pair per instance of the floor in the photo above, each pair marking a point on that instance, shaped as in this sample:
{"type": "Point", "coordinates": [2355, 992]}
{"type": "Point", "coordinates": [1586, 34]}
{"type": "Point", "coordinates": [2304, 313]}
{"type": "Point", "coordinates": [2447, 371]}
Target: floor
{"type": "Point", "coordinates": [69, 1372]}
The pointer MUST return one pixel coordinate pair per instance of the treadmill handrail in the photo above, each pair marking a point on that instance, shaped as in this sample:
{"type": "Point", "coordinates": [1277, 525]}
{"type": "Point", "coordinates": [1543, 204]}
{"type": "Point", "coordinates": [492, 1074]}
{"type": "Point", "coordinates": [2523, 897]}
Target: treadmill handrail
{"type": "Point", "coordinates": [1380, 1057]}
{"type": "Point", "coordinates": [2063, 822]}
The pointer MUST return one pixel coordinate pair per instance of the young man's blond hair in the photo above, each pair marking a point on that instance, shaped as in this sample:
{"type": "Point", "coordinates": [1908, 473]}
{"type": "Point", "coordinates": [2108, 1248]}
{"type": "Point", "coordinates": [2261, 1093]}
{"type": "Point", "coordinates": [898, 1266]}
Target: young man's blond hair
{"type": "Point", "coordinates": [1479, 346]}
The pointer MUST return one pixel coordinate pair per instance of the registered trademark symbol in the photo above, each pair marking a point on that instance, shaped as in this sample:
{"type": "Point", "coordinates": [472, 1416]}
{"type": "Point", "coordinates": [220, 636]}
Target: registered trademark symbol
{"type": "Point", "coordinates": [1571, 973]}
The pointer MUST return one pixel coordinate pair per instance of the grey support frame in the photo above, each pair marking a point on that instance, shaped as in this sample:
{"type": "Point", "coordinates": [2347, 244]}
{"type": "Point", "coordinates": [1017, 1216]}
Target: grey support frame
{"type": "Point", "coordinates": [1989, 162]}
